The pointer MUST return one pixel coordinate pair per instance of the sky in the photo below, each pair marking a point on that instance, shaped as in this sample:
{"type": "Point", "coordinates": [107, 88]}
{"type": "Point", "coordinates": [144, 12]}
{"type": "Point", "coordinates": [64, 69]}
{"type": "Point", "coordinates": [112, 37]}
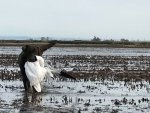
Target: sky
{"type": "Point", "coordinates": [76, 19]}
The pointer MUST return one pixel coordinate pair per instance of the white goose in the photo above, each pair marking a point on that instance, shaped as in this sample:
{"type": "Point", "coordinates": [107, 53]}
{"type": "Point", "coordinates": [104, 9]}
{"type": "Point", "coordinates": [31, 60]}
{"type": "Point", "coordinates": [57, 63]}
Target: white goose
{"type": "Point", "coordinates": [36, 71]}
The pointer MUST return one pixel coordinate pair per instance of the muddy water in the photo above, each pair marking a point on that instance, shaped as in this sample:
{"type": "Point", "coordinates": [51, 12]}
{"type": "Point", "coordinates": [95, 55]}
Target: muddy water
{"type": "Point", "coordinates": [109, 80]}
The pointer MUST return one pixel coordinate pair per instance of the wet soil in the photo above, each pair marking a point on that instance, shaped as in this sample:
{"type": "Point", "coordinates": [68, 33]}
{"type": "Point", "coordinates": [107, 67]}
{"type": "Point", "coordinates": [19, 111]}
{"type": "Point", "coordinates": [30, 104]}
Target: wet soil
{"type": "Point", "coordinates": [105, 83]}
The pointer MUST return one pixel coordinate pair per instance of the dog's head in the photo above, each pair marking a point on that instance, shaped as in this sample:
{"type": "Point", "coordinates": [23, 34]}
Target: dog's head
{"type": "Point", "coordinates": [30, 49]}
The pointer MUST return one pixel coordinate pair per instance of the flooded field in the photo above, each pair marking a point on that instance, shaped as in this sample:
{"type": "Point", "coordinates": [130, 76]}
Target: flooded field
{"type": "Point", "coordinates": [109, 80]}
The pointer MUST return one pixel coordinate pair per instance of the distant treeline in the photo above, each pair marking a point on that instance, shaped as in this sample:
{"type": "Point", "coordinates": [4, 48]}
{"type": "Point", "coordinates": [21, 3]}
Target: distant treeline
{"type": "Point", "coordinates": [107, 43]}
{"type": "Point", "coordinates": [110, 43]}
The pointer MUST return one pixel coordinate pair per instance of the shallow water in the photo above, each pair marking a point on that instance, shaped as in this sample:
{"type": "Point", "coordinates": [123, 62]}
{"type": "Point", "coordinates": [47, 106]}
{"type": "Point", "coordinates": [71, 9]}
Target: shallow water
{"type": "Point", "coordinates": [98, 96]}
{"type": "Point", "coordinates": [103, 51]}
{"type": "Point", "coordinates": [98, 51]}
{"type": "Point", "coordinates": [102, 94]}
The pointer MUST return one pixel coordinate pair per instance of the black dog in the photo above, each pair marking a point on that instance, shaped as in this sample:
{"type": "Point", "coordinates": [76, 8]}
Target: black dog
{"type": "Point", "coordinates": [28, 54]}
{"type": "Point", "coordinates": [26, 50]}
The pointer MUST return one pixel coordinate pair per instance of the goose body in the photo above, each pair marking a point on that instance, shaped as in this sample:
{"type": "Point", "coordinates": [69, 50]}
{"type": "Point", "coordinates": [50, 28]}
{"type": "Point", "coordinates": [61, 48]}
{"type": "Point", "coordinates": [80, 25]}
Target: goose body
{"type": "Point", "coordinates": [35, 72]}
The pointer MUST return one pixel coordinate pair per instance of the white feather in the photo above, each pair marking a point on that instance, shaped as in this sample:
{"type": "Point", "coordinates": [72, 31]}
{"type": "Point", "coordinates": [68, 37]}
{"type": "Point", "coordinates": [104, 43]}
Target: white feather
{"type": "Point", "coordinates": [36, 72]}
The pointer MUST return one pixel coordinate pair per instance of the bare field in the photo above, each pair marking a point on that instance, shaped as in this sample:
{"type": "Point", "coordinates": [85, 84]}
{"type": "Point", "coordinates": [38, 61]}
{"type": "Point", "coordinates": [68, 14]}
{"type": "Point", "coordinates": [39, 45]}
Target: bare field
{"type": "Point", "coordinates": [74, 44]}
{"type": "Point", "coordinates": [110, 80]}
